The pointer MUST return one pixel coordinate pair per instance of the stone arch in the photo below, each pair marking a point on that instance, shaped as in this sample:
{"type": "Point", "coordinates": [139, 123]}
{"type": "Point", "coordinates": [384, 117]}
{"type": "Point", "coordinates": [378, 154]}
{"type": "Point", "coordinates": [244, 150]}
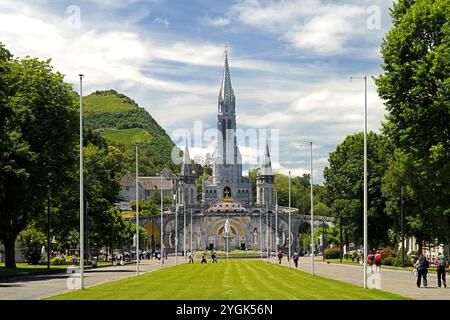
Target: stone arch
{"type": "Point", "coordinates": [154, 234]}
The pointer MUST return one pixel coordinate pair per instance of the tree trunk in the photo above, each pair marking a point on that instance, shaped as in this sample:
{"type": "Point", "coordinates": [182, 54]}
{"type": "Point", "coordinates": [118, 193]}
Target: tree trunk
{"type": "Point", "coordinates": [10, 252]}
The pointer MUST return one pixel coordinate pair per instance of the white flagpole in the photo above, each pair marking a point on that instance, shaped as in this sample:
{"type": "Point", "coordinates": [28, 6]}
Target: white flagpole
{"type": "Point", "coordinates": [312, 212]}
{"type": "Point", "coordinates": [162, 224]}
{"type": "Point", "coordinates": [276, 221]}
{"type": "Point", "coordinates": [289, 233]}
{"type": "Point", "coordinates": [176, 228]}
{"type": "Point", "coordinates": [137, 211]}
{"type": "Point", "coordinates": [81, 188]}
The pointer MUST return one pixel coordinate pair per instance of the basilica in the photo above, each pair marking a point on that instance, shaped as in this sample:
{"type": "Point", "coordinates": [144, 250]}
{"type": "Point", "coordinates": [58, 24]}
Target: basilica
{"type": "Point", "coordinates": [199, 224]}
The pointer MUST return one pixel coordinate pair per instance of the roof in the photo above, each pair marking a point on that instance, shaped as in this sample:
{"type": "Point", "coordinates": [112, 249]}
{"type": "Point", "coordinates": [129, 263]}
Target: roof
{"type": "Point", "coordinates": [155, 183]}
{"type": "Point", "coordinates": [229, 205]}
{"type": "Point", "coordinates": [148, 183]}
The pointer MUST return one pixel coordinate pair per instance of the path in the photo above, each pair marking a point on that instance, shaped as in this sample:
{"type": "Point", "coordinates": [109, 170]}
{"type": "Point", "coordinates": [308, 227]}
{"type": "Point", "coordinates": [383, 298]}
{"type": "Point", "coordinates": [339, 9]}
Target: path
{"type": "Point", "coordinates": [396, 281]}
{"type": "Point", "coordinates": [34, 287]}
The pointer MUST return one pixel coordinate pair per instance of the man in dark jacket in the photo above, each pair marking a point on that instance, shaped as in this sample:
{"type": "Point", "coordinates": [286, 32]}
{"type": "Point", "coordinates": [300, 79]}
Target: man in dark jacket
{"type": "Point", "coordinates": [422, 270]}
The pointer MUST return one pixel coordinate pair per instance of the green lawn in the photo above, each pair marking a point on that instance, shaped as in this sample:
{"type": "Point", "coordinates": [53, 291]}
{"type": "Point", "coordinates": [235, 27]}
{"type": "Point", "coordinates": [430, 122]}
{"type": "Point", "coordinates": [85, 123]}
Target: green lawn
{"type": "Point", "coordinates": [127, 136]}
{"type": "Point", "coordinates": [233, 279]}
{"type": "Point", "coordinates": [24, 268]}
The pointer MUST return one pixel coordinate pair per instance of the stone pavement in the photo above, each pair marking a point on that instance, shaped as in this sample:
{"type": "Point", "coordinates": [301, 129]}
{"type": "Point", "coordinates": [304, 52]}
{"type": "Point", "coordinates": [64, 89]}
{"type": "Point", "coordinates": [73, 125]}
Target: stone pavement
{"type": "Point", "coordinates": [34, 287]}
{"type": "Point", "coordinates": [401, 282]}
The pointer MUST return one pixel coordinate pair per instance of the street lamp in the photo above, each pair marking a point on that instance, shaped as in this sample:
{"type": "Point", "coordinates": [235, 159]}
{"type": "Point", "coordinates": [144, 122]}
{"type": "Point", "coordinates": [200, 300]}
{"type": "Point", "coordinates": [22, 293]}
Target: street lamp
{"type": "Point", "coordinates": [81, 188]}
{"type": "Point", "coordinates": [137, 210]}
{"type": "Point", "coordinates": [365, 177]}
{"type": "Point", "coordinates": [289, 232]}
{"type": "Point", "coordinates": [403, 227]}
{"type": "Point", "coordinates": [312, 203]}
{"type": "Point", "coordinates": [162, 223]}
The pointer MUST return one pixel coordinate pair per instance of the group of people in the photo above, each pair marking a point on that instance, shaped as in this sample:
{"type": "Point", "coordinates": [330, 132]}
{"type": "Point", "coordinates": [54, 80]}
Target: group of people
{"type": "Point", "coordinates": [295, 257]}
{"type": "Point", "coordinates": [190, 256]}
{"type": "Point", "coordinates": [421, 265]}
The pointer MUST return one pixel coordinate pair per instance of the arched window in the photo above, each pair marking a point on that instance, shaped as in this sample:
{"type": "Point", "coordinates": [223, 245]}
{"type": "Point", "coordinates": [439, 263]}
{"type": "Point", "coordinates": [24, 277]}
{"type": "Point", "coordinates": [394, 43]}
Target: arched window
{"type": "Point", "coordinates": [227, 192]}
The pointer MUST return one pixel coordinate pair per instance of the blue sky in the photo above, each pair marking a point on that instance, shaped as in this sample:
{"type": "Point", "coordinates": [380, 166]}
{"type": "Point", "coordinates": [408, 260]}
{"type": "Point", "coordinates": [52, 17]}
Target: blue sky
{"type": "Point", "coordinates": [290, 62]}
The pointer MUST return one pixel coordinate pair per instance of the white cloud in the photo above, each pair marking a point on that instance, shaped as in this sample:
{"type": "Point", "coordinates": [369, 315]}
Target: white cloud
{"type": "Point", "coordinates": [316, 25]}
{"type": "Point", "coordinates": [217, 22]}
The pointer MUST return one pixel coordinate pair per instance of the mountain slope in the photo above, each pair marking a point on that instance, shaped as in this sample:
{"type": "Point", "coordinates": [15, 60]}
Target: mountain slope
{"type": "Point", "coordinates": [122, 122]}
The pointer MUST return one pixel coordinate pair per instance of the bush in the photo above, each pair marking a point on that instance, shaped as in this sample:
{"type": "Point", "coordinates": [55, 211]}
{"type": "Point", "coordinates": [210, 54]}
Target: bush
{"type": "Point", "coordinates": [387, 252]}
{"type": "Point", "coordinates": [388, 261]}
{"type": "Point", "coordinates": [30, 243]}
{"type": "Point", "coordinates": [56, 261]}
{"type": "Point", "coordinates": [332, 253]}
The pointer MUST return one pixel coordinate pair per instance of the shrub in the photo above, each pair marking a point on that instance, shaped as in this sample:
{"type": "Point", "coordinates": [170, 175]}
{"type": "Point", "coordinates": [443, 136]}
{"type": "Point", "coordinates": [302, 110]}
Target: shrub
{"type": "Point", "coordinates": [388, 261]}
{"type": "Point", "coordinates": [387, 252]}
{"type": "Point", "coordinates": [30, 243]}
{"type": "Point", "coordinates": [332, 253]}
{"type": "Point", "coordinates": [56, 261]}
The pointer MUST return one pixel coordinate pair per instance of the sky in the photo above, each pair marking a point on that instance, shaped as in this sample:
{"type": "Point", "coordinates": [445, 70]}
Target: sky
{"type": "Point", "coordinates": [290, 63]}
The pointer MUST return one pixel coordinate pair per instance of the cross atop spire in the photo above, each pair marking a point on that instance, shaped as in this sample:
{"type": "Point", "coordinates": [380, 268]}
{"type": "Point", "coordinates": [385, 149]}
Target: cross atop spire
{"type": "Point", "coordinates": [266, 167]}
{"type": "Point", "coordinates": [226, 95]}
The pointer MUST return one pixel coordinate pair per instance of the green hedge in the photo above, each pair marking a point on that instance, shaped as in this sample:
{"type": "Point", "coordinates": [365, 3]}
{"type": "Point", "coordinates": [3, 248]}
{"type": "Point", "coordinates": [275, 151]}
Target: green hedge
{"type": "Point", "coordinates": [332, 253]}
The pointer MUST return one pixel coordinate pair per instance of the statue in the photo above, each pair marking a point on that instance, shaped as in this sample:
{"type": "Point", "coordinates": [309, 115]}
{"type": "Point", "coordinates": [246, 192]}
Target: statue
{"type": "Point", "coordinates": [255, 236]}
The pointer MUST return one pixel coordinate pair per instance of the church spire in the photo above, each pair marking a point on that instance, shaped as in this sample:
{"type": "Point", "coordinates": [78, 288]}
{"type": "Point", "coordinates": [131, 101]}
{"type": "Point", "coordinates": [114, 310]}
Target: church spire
{"type": "Point", "coordinates": [266, 167]}
{"type": "Point", "coordinates": [186, 166]}
{"type": "Point", "coordinates": [226, 95]}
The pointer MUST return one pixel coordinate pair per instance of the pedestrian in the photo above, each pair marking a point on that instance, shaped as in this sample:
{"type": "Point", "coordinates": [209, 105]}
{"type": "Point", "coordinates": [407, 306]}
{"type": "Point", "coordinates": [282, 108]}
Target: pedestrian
{"type": "Point", "coordinates": [441, 263]}
{"type": "Point", "coordinates": [378, 259]}
{"type": "Point", "coordinates": [190, 256]}
{"type": "Point", "coordinates": [295, 256]}
{"type": "Point", "coordinates": [280, 256]}
{"type": "Point", "coordinates": [204, 258]}
{"type": "Point", "coordinates": [371, 260]}
{"type": "Point", "coordinates": [422, 270]}
{"type": "Point", "coordinates": [214, 257]}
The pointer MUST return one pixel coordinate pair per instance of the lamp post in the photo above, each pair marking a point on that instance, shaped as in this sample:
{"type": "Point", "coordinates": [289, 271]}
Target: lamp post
{"type": "Point", "coordinates": [365, 177]}
{"type": "Point", "coordinates": [267, 232]}
{"type": "Point", "coordinates": [162, 223]}
{"type": "Point", "coordinates": [289, 232]}
{"type": "Point", "coordinates": [403, 226]}
{"type": "Point", "coordinates": [81, 188]}
{"type": "Point", "coordinates": [137, 211]}
{"type": "Point", "coordinates": [260, 234]}
{"type": "Point", "coordinates": [276, 221]}
{"type": "Point", "coordinates": [48, 228]}
{"type": "Point", "coordinates": [175, 198]}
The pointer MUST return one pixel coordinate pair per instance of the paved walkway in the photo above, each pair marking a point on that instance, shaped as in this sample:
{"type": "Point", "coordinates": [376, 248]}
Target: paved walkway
{"type": "Point", "coordinates": [34, 287]}
{"type": "Point", "coordinates": [396, 281]}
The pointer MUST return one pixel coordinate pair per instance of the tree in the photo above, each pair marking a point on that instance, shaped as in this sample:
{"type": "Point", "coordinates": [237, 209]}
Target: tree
{"type": "Point", "coordinates": [38, 135]}
{"type": "Point", "coordinates": [31, 241]}
{"type": "Point", "coordinates": [415, 85]}
{"type": "Point", "coordinates": [344, 185]}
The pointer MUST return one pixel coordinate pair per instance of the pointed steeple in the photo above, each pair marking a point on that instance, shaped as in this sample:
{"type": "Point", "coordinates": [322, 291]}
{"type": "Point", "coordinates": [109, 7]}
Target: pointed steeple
{"type": "Point", "coordinates": [266, 167]}
{"type": "Point", "coordinates": [186, 166]}
{"type": "Point", "coordinates": [226, 95]}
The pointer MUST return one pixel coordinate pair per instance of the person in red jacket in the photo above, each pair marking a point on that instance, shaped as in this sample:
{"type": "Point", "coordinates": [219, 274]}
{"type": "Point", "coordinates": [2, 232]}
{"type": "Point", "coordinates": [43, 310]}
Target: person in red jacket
{"type": "Point", "coordinates": [378, 259]}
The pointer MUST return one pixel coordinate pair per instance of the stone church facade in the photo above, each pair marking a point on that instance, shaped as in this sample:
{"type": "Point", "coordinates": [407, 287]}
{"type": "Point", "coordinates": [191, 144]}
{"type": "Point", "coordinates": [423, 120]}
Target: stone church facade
{"type": "Point", "coordinates": [226, 195]}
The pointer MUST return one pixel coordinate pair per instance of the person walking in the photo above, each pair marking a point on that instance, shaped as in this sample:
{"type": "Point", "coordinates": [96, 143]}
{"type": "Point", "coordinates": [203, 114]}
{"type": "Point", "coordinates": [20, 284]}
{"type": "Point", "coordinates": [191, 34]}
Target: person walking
{"type": "Point", "coordinates": [295, 257]}
{"type": "Point", "coordinates": [441, 264]}
{"type": "Point", "coordinates": [204, 258]}
{"type": "Point", "coordinates": [213, 257]}
{"type": "Point", "coordinates": [378, 259]}
{"type": "Point", "coordinates": [422, 270]}
{"type": "Point", "coordinates": [371, 260]}
{"type": "Point", "coordinates": [190, 257]}
{"type": "Point", "coordinates": [280, 256]}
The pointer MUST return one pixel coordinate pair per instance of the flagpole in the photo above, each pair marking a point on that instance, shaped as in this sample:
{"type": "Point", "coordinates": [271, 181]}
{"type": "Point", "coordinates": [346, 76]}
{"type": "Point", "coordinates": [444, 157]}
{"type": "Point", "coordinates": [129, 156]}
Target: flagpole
{"type": "Point", "coordinates": [312, 211]}
{"type": "Point", "coordinates": [81, 188]}
{"type": "Point", "coordinates": [162, 223]}
{"type": "Point", "coordinates": [175, 198]}
{"type": "Point", "coordinates": [137, 211]}
{"type": "Point", "coordinates": [289, 233]}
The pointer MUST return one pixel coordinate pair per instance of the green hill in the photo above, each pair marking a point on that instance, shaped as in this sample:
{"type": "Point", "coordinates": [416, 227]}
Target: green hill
{"type": "Point", "coordinates": [123, 123]}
